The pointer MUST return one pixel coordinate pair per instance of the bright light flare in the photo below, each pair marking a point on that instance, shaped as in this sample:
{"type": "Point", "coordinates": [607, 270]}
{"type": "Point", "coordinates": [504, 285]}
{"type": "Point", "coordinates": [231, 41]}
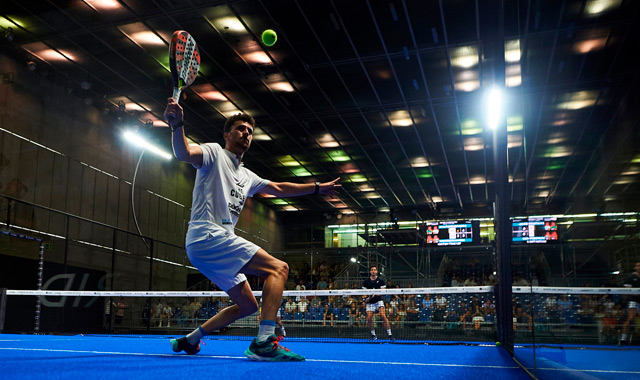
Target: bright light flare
{"type": "Point", "coordinates": [141, 142]}
{"type": "Point", "coordinates": [494, 108]}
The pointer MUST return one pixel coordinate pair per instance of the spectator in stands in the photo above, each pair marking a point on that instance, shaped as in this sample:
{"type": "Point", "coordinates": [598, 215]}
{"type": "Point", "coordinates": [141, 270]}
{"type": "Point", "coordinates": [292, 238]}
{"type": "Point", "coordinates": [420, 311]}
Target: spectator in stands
{"type": "Point", "coordinates": [121, 306]}
{"type": "Point", "coordinates": [290, 307]}
{"type": "Point", "coordinates": [303, 305]}
{"type": "Point", "coordinates": [439, 311]}
{"type": "Point", "coordinates": [322, 284]}
{"type": "Point", "coordinates": [394, 303]}
{"type": "Point", "coordinates": [314, 301]}
{"type": "Point", "coordinates": [522, 316]}
{"type": "Point", "coordinates": [462, 312]}
{"type": "Point", "coordinates": [520, 281]}
{"type": "Point", "coordinates": [300, 286]}
{"type": "Point", "coordinates": [440, 301]}
{"type": "Point", "coordinates": [470, 281]}
{"type": "Point", "coordinates": [354, 315]}
{"type": "Point", "coordinates": [454, 281]}
{"type": "Point", "coordinates": [167, 314]}
{"type": "Point", "coordinates": [413, 313]}
{"type": "Point", "coordinates": [489, 307]}
{"type": "Point", "coordinates": [427, 302]}
{"type": "Point", "coordinates": [475, 305]}
{"type": "Point", "coordinates": [328, 315]}
{"type": "Point", "coordinates": [477, 318]}
{"type": "Point", "coordinates": [564, 304]}
{"type": "Point", "coordinates": [330, 284]}
{"type": "Point", "coordinates": [156, 313]}
{"type": "Point", "coordinates": [402, 315]}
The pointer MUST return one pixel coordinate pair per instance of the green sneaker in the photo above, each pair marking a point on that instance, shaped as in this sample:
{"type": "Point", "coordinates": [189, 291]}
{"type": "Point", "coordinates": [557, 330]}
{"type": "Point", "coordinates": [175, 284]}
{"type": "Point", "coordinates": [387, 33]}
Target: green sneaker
{"type": "Point", "coordinates": [181, 344]}
{"type": "Point", "coordinates": [271, 351]}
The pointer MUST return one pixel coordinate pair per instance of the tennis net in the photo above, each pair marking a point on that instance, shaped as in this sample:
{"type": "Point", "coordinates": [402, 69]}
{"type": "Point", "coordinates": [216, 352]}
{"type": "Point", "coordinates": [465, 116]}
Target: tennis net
{"type": "Point", "coordinates": [575, 316]}
{"type": "Point", "coordinates": [415, 315]}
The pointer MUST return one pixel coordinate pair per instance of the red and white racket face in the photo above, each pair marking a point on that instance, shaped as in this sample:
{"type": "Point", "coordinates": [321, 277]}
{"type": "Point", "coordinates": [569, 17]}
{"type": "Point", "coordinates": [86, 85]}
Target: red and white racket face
{"type": "Point", "coordinates": [184, 59]}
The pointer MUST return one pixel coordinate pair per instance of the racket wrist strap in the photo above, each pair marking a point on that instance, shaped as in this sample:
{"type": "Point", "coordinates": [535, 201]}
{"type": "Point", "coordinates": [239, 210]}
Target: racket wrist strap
{"type": "Point", "coordinates": [317, 190]}
{"type": "Point", "coordinates": [174, 127]}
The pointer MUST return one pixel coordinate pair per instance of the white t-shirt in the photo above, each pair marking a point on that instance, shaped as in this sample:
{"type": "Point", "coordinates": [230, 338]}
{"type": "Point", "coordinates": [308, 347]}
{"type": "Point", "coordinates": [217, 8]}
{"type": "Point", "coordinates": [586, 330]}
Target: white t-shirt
{"type": "Point", "coordinates": [220, 191]}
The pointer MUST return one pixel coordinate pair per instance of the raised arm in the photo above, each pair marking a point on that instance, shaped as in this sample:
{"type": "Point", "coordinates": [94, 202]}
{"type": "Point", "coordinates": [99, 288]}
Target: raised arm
{"type": "Point", "coordinates": [181, 149]}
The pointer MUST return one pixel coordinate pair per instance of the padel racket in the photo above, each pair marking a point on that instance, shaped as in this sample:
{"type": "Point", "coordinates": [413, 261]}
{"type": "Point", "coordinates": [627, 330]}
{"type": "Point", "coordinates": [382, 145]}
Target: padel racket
{"type": "Point", "coordinates": [184, 59]}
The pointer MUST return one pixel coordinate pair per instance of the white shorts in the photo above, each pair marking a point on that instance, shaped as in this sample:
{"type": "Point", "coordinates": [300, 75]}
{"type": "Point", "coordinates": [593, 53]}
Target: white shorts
{"type": "Point", "coordinates": [221, 256]}
{"type": "Point", "coordinates": [373, 307]}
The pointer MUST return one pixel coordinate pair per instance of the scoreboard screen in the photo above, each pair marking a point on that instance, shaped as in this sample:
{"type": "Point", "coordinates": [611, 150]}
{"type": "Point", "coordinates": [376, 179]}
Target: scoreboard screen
{"type": "Point", "coordinates": [451, 233]}
{"type": "Point", "coordinates": [534, 230]}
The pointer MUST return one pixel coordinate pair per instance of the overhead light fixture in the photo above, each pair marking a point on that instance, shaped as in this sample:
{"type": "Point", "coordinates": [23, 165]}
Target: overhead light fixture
{"type": "Point", "coordinates": [353, 260]}
{"type": "Point", "coordinates": [494, 108]}
{"type": "Point", "coordinates": [139, 141]}
{"type": "Point", "coordinates": [104, 5]}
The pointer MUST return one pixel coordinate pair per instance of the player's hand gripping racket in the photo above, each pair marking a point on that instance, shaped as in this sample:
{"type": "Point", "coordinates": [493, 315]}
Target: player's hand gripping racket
{"type": "Point", "coordinates": [184, 60]}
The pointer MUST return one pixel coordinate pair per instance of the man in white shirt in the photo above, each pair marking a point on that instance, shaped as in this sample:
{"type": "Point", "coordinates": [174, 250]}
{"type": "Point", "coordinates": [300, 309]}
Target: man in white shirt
{"type": "Point", "coordinates": [220, 191]}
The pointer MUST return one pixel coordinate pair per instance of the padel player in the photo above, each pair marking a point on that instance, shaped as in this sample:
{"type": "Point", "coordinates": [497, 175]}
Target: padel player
{"type": "Point", "coordinates": [221, 188]}
{"type": "Point", "coordinates": [375, 304]}
{"type": "Point", "coordinates": [632, 281]}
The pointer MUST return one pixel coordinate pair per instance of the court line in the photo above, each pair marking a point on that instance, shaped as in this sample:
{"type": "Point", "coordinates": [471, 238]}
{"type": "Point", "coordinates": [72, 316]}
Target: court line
{"type": "Point", "coordinates": [243, 357]}
{"type": "Point", "coordinates": [318, 360]}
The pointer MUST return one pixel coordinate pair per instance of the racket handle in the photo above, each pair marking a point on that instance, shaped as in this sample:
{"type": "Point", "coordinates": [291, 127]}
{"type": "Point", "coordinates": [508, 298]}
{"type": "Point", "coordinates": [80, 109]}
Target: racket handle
{"type": "Point", "coordinates": [176, 94]}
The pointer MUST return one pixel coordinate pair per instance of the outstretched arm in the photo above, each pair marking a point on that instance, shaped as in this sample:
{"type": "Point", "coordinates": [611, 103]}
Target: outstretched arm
{"type": "Point", "coordinates": [290, 189]}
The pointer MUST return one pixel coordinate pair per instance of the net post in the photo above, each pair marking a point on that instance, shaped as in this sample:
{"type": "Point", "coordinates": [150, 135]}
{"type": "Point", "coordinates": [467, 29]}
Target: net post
{"type": "Point", "coordinates": [3, 307]}
{"type": "Point", "coordinates": [495, 52]}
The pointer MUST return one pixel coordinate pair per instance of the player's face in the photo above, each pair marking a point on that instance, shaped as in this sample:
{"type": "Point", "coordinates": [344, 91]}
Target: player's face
{"type": "Point", "coordinates": [240, 135]}
{"type": "Point", "coordinates": [373, 271]}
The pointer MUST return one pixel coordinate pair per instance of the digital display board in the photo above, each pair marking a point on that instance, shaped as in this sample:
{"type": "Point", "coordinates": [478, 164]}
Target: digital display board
{"type": "Point", "coordinates": [451, 233]}
{"type": "Point", "coordinates": [534, 230]}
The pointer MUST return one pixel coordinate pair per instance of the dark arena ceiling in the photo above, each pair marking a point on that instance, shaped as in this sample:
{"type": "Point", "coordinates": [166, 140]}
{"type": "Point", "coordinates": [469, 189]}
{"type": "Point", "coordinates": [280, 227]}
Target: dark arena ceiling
{"type": "Point", "coordinates": [388, 95]}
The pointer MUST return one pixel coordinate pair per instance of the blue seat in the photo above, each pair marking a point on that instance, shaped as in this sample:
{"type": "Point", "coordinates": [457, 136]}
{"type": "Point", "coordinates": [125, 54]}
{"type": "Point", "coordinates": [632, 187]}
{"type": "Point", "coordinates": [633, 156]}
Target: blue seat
{"type": "Point", "coordinates": [298, 315]}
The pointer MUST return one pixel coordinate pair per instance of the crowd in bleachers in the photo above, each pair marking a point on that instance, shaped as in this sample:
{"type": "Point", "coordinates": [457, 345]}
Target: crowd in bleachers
{"type": "Point", "coordinates": [545, 311]}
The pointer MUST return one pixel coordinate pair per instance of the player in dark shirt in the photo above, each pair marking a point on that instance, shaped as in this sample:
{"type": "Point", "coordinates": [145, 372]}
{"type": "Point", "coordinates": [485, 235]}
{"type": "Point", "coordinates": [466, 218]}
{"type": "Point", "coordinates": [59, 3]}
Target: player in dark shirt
{"type": "Point", "coordinates": [633, 281]}
{"type": "Point", "coordinates": [375, 304]}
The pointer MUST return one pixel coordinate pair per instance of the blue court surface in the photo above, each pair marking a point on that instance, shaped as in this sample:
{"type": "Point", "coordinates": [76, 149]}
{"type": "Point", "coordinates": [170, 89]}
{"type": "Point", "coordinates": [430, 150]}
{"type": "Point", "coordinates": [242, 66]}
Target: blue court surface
{"type": "Point", "coordinates": [102, 357]}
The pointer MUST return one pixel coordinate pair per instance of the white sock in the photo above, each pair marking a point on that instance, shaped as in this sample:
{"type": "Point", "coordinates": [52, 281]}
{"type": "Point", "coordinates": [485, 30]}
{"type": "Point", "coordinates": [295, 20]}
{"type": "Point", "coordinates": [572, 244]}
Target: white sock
{"type": "Point", "coordinates": [195, 336]}
{"type": "Point", "coordinates": [388, 331]}
{"type": "Point", "coordinates": [284, 333]}
{"type": "Point", "coordinates": [623, 337]}
{"type": "Point", "coordinates": [266, 329]}
{"type": "Point", "coordinates": [373, 332]}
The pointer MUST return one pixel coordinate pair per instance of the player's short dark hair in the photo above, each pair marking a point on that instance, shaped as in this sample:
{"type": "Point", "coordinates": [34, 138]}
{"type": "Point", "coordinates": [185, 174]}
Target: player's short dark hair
{"type": "Point", "coordinates": [373, 266]}
{"type": "Point", "coordinates": [239, 116]}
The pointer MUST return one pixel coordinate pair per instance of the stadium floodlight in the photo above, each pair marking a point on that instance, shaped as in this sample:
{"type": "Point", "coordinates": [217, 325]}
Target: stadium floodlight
{"type": "Point", "coordinates": [494, 107]}
{"type": "Point", "coordinates": [141, 142]}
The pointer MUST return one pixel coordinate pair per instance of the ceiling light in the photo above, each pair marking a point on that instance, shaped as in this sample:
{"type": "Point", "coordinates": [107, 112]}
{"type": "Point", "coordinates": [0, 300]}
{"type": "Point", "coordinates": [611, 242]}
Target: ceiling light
{"type": "Point", "coordinates": [260, 135]}
{"type": "Point", "coordinates": [230, 23]}
{"type": "Point", "coordinates": [464, 57]}
{"type": "Point", "coordinates": [338, 156]}
{"type": "Point", "coordinates": [47, 54]}
{"type": "Point", "coordinates": [512, 51]}
{"type": "Point", "coordinates": [513, 76]}
{"type": "Point", "coordinates": [597, 7]}
{"type": "Point", "coordinates": [103, 5]}
{"type": "Point", "coordinates": [281, 86]}
{"type": "Point", "coordinates": [419, 162]}
{"type": "Point", "coordinates": [257, 57]}
{"type": "Point", "coordinates": [579, 100]}
{"type": "Point", "coordinates": [327, 141]}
